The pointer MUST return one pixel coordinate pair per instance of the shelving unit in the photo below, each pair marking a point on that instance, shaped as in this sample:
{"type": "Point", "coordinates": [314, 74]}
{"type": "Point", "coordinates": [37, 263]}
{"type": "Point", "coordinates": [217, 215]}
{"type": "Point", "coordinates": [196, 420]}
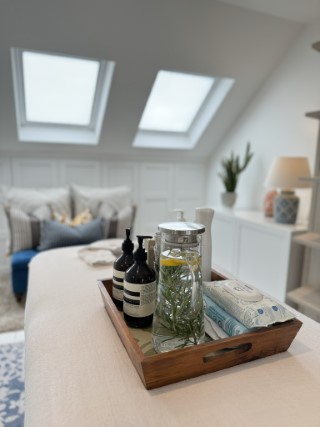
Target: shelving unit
{"type": "Point", "coordinates": [312, 240]}
{"type": "Point", "coordinates": [307, 296]}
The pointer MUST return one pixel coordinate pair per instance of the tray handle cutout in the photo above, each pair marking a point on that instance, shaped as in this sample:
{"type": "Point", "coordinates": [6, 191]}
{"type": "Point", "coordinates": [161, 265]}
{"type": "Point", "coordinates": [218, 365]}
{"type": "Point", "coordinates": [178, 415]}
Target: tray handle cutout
{"type": "Point", "coordinates": [239, 349]}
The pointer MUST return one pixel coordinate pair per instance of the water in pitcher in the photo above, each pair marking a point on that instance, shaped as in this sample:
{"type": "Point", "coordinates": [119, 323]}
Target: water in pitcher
{"type": "Point", "coordinates": [179, 318]}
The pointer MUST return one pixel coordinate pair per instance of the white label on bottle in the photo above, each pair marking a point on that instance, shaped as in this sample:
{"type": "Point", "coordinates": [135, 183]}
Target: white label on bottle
{"type": "Point", "coordinates": [117, 284]}
{"type": "Point", "coordinates": [139, 299]}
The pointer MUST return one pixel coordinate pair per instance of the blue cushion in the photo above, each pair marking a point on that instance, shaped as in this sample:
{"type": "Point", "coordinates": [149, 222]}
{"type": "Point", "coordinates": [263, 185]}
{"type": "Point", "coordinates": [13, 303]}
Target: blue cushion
{"type": "Point", "coordinates": [56, 235]}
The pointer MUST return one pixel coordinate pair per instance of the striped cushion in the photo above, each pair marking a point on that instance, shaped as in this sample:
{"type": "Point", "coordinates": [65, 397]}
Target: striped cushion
{"type": "Point", "coordinates": [56, 235]}
{"type": "Point", "coordinates": [116, 222]}
{"type": "Point", "coordinates": [24, 228]}
{"type": "Point", "coordinates": [92, 197]}
{"type": "Point", "coordinates": [30, 199]}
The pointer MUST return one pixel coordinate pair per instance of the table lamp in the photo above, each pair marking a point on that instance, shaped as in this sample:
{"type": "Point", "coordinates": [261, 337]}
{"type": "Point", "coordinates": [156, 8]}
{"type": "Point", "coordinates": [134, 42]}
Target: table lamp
{"type": "Point", "coordinates": [286, 173]}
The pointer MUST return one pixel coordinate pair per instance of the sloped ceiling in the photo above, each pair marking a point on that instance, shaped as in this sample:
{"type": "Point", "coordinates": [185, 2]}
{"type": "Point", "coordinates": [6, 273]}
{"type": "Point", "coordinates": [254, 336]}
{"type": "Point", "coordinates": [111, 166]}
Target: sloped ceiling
{"type": "Point", "coordinates": [142, 36]}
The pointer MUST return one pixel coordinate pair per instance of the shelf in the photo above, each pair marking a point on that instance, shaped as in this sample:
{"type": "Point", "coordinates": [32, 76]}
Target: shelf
{"type": "Point", "coordinates": [306, 297]}
{"type": "Point", "coordinates": [315, 178]}
{"type": "Point", "coordinates": [316, 46]}
{"type": "Point", "coordinates": [311, 240]}
{"type": "Point", "coordinates": [314, 115]}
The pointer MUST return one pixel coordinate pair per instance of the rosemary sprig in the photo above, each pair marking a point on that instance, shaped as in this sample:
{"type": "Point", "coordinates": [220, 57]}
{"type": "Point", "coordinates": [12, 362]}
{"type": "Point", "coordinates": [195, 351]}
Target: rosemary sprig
{"type": "Point", "coordinates": [179, 313]}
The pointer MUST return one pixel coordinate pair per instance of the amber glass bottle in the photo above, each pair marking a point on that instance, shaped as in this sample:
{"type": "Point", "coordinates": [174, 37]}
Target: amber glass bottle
{"type": "Point", "coordinates": [139, 290]}
{"type": "Point", "coordinates": [120, 266]}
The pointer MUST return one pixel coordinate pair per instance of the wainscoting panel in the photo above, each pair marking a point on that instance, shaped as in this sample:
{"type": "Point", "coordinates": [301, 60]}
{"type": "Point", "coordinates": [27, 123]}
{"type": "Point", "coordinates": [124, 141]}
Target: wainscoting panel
{"type": "Point", "coordinates": [115, 174]}
{"type": "Point", "coordinates": [35, 172]}
{"type": "Point", "coordinates": [188, 188]}
{"type": "Point", "coordinates": [80, 172]}
{"type": "Point", "coordinates": [157, 187]}
{"type": "Point", "coordinates": [156, 195]}
{"type": "Point", "coordinates": [5, 172]}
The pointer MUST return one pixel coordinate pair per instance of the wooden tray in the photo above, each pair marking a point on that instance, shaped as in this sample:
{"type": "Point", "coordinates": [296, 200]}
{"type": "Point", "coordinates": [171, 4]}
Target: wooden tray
{"type": "Point", "coordinates": [166, 368]}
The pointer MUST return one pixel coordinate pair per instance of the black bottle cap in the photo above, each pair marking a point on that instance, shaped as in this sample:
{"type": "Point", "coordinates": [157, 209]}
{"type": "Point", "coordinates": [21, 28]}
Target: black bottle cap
{"type": "Point", "coordinates": [127, 245]}
{"type": "Point", "coordinates": [140, 254]}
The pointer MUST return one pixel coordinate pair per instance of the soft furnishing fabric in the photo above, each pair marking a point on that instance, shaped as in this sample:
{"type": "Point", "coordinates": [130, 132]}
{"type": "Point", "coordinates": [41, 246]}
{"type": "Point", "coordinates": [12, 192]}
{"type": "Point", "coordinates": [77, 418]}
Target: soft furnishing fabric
{"type": "Point", "coordinates": [29, 199]}
{"type": "Point", "coordinates": [114, 205]}
{"type": "Point", "coordinates": [92, 197]}
{"type": "Point", "coordinates": [22, 205]}
{"type": "Point", "coordinates": [24, 228]}
{"type": "Point", "coordinates": [78, 373]}
{"type": "Point", "coordinates": [55, 235]}
{"type": "Point", "coordinates": [116, 222]}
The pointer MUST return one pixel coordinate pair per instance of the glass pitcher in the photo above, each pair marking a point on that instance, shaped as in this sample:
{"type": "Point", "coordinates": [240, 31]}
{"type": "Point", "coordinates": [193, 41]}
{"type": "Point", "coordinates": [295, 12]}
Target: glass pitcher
{"type": "Point", "coordinates": [179, 317]}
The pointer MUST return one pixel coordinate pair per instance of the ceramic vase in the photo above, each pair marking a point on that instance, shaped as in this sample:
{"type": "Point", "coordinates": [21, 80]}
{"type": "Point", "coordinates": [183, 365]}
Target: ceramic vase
{"type": "Point", "coordinates": [228, 199]}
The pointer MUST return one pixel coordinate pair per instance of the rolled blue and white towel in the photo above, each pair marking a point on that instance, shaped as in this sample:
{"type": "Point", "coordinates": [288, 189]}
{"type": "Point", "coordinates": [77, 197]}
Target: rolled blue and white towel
{"type": "Point", "coordinates": [229, 324]}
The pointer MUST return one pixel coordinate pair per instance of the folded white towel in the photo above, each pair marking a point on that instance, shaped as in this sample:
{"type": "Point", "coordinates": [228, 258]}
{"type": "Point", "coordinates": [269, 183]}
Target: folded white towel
{"type": "Point", "coordinates": [213, 329]}
{"type": "Point", "coordinates": [101, 252]}
{"type": "Point", "coordinates": [95, 256]}
{"type": "Point", "coordinates": [113, 245]}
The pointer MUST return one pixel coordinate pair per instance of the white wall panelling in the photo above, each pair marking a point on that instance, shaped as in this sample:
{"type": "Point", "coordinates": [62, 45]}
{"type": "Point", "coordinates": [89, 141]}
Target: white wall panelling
{"type": "Point", "coordinates": [157, 188]}
{"type": "Point", "coordinates": [121, 173]}
{"type": "Point", "coordinates": [80, 172]}
{"type": "Point", "coordinates": [5, 172]}
{"type": "Point", "coordinates": [156, 195]}
{"type": "Point", "coordinates": [28, 172]}
{"type": "Point", "coordinates": [189, 188]}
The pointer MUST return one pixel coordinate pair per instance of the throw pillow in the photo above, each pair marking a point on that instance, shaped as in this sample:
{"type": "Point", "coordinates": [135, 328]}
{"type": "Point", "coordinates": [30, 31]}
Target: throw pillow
{"type": "Point", "coordinates": [30, 199]}
{"type": "Point", "coordinates": [91, 198]}
{"type": "Point", "coordinates": [56, 235]}
{"type": "Point", "coordinates": [81, 218]}
{"type": "Point", "coordinates": [116, 222]}
{"type": "Point", "coordinates": [24, 228]}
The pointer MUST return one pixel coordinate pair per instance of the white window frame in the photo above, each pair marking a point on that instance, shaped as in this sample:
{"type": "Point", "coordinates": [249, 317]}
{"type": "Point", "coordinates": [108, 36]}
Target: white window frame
{"type": "Point", "coordinates": [187, 140]}
{"type": "Point", "coordinates": [30, 131]}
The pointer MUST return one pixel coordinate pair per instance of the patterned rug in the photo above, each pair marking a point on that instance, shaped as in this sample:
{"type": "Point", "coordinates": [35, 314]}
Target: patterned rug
{"type": "Point", "coordinates": [12, 385]}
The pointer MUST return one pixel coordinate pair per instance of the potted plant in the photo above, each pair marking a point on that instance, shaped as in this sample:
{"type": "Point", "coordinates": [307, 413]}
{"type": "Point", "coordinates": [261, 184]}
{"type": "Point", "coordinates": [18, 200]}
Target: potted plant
{"type": "Point", "coordinates": [231, 173]}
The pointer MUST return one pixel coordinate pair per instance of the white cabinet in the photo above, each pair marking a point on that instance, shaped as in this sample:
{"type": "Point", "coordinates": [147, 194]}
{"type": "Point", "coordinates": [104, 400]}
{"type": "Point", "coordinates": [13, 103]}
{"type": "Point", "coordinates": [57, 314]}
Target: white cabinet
{"type": "Point", "coordinates": [257, 250]}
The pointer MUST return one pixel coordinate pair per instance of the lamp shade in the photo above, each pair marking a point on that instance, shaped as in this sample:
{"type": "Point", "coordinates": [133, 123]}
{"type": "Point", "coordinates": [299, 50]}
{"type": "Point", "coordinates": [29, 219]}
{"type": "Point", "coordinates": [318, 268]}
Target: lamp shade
{"type": "Point", "coordinates": [286, 172]}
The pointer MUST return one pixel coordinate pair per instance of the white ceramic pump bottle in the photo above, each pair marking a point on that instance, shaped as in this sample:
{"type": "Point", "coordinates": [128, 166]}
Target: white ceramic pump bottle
{"type": "Point", "coordinates": [204, 216]}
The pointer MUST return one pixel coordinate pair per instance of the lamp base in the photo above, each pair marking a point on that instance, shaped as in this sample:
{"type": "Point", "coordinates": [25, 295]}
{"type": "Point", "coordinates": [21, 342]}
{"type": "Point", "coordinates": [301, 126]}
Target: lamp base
{"type": "Point", "coordinates": [285, 208]}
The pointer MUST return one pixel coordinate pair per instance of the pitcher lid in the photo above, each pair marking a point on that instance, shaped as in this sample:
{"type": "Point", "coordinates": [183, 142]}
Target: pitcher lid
{"type": "Point", "coordinates": [181, 228]}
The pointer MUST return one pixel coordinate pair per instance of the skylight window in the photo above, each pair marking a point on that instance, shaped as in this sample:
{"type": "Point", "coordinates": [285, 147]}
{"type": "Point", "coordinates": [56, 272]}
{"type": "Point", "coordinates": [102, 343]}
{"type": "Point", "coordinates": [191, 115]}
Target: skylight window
{"type": "Point", "coordinates": [59, 89]}
{"type": "Point", "coordinates": [174, 101]}
{"type": "Point", "coordinates": [179, 109]}
{"type": "Point", "coordinates": [59, 98]}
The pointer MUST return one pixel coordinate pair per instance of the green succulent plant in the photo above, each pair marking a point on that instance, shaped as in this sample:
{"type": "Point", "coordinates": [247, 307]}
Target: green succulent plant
{"type": "Point", "coordinates": [232, 169]}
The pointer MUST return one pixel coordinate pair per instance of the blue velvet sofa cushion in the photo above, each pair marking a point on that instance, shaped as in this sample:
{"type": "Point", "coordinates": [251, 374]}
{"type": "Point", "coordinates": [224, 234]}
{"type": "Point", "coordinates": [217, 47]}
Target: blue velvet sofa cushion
{"type": "Point", "coordinates": [56, 235]}
{"type": "Point", "coordinates": [19, 270]}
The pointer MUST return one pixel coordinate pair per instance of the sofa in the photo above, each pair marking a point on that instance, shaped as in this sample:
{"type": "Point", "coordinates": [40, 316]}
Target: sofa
{"type": "Point", "coordinates": [47, 218]}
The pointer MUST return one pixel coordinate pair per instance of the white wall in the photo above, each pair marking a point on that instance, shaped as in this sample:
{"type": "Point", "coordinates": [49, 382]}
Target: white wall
{"type": "Point", "coordinates": [275, 124]}
{"type": "Point", "coordinates": [157, 187]}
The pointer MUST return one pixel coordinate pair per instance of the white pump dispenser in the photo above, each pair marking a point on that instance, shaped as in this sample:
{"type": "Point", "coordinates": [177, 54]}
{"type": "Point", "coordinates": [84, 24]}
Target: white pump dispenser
{"type": "Point", "coordinates": [180, 217]}
{"type": "Point", "coordinates": [204, 216]}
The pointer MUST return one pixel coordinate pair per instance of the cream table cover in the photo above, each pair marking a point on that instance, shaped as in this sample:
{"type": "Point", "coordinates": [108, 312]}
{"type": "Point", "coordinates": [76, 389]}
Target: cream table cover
{"type": "Point", "coordinates": [78, 373]}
